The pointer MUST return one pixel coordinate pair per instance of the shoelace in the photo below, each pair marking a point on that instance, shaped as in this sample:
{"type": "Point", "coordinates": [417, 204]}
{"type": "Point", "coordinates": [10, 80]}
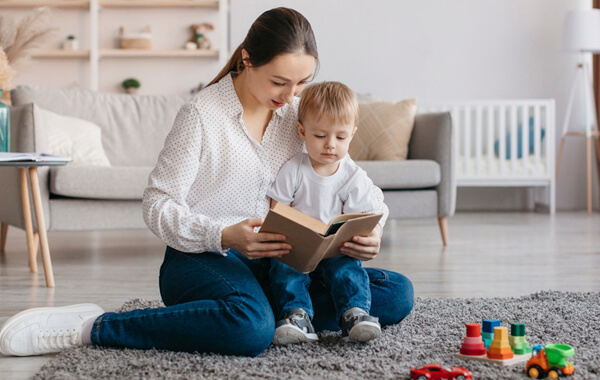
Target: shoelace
{"type": "Point", "coordinates": [297, 317]}
{"type": "Point", "coordinates": [57, 340]}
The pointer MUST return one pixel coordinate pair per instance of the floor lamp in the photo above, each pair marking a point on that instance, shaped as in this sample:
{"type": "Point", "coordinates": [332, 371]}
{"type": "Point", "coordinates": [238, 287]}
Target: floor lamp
{"type": "Point", "coordinates": [581, 33]}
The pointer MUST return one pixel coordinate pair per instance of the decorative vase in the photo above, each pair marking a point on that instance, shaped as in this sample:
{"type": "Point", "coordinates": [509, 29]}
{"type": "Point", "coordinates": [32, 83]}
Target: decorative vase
{"type": "Point", "coordinates": [4, 126]}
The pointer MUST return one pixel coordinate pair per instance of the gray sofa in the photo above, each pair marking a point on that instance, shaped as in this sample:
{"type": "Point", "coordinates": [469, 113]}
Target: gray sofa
{"type": "Point", "coordinates": [134, 128]}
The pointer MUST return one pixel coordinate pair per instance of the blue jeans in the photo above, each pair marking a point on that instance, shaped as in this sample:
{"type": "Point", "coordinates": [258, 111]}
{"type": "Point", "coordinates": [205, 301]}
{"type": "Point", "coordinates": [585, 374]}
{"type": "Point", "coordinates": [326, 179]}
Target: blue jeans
{"type": "Point", "coordinates": [221, 304]}
{"type": "Point", "coordinates": [342, 276]}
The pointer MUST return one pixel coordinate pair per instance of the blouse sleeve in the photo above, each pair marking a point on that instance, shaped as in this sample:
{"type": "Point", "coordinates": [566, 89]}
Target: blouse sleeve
{"type": "Point", "coordinates": [165, 208]}
{"type": "Point", "coordinates": [283, 188]}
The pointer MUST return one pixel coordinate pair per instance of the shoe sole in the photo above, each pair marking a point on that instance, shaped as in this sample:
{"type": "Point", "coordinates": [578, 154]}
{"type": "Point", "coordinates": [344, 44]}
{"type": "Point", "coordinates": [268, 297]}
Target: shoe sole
{"type": "Point", "coordinates": [17, 318]}
{"type": "Point", "coordinates": [364, 332]}
{"type": "Point", "coordinates": [288, 334]}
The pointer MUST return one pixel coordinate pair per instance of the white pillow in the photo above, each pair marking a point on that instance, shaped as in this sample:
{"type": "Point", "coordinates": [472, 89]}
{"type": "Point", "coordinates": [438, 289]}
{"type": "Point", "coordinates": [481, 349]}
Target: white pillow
{"type": "Point", "coordinates": [72, 137]}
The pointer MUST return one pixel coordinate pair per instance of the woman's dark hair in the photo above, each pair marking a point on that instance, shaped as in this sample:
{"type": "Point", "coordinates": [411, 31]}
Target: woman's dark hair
{"type": "Point", "coordinates": [277, 31]}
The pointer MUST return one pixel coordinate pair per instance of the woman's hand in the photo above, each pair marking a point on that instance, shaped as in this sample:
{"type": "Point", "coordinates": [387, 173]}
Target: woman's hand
{"type": "Point", "coordinates": [253, 245]}
{"type": "Point", "coordinates": [363, 247]}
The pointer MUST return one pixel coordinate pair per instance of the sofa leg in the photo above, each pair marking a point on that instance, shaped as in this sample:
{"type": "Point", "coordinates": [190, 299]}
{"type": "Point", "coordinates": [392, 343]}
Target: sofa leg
{"type": "Point", "coordinates": [3, 232]}
{"type": "Point", "coordinates": [444, 229]}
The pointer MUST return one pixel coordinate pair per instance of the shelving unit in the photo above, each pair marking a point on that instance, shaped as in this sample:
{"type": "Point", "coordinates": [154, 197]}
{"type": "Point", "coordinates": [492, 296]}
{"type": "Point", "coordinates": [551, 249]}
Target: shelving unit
{"type": "Point", "coordinates": [97, 53]}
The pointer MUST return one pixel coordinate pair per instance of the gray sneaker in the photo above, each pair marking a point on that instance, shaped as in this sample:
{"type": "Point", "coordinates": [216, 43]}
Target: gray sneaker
{"type": "Point", "coordinates": [358, 326]}
{"type": "Point", "coordinates": [295, 327]}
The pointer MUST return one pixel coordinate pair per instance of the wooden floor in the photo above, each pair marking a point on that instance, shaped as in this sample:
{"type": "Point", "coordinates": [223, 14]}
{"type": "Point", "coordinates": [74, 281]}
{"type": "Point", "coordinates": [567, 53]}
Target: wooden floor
{"type": "Point", "coordinates": [489, 255]}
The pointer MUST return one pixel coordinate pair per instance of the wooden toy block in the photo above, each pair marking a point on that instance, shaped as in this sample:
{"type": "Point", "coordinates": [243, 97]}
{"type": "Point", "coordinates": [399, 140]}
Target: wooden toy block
{"type": "Point", "coordinates": [500, 348]}
{"type": "Point", "coordinates": [473, 345]}
{"type": "Point", "coordinates": [487, 339]}
{"type": "Point", "coordinates": [518, 343]}
{"type": "Point", "coordinates": [514, 360]}
{"type": "Point", "coordinates": [489, 324]}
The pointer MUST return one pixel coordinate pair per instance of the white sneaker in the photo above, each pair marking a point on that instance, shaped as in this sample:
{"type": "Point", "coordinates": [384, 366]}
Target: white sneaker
{"type": "Point", "coordinates": [44, 330]}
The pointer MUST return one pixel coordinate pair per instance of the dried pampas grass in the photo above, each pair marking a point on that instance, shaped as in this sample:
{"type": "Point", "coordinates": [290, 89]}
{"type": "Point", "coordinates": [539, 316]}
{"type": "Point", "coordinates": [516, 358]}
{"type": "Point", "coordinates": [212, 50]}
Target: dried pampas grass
{"type": "Point", "coordinates": [21, 39]}
{"type": "Point", "coordinates": [6, 72]}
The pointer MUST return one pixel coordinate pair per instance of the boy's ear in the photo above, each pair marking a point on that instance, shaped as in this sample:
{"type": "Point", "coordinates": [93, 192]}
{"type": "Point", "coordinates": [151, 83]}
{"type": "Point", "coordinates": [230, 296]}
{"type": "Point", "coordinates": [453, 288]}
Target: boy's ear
{"type": "Point", "coordinates": [353, 132]}
{"type": "Point", "coordinates": [301, 130]}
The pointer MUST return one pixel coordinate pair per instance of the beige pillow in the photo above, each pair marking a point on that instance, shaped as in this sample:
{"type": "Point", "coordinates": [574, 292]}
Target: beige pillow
{"type": "Point", "coordinates": [73, 137]}
{"type": "Point", "coordinates": [384, 129]}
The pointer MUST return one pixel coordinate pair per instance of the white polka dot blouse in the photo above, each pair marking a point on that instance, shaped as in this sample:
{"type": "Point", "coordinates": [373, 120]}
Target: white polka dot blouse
{"type": "Point", "coordinates": [212, 174]}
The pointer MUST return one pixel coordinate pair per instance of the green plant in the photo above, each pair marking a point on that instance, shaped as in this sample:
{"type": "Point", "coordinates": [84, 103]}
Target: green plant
{"type": "Point", "coordinates": [131, 83]}
{"type": "Point", "coordinates": [70, 37]}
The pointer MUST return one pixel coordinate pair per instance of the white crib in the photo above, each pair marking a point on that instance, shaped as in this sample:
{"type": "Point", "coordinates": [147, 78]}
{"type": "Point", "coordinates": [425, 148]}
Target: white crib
{"type": "Point", "coordinates": [504, 143]}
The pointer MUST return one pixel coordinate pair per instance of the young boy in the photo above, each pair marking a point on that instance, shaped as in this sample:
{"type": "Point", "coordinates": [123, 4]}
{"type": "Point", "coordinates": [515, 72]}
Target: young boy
{"type": "Point", "coordinates": [324, 182]}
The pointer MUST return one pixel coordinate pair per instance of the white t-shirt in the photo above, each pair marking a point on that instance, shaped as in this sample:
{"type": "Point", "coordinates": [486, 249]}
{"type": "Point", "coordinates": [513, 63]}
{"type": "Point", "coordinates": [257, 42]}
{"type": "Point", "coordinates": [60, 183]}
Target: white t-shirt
{"type": "Point", "coordinates": [348, 190]}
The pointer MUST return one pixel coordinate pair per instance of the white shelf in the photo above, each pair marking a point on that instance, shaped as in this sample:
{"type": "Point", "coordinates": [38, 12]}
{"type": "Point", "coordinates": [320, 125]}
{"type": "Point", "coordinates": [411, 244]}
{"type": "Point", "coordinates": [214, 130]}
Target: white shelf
{"type": "Point", "coordinates": [48, 3]}
{"type": "Point", "coordinates": [62, 54]}
{"type": "Point", "coordinates": [96, 53]}
{"type": "Point", "coordinates": [159, 4]}
{"type": "Point", "coordinates": [110, 4]}
{"type": "Point", "coordinates": [150, 53]}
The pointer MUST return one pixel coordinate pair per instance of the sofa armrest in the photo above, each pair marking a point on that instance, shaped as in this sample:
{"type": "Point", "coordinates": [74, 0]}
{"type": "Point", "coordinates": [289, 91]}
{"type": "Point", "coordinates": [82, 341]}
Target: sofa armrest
{"type": "Point", "coordinates": [24, 137]}
{"type": "Point", "coordinates": [432, 139]}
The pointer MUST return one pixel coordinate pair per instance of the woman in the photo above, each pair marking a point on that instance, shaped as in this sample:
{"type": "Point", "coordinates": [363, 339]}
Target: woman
{"type": "Point", "coordinates": [205, 198]}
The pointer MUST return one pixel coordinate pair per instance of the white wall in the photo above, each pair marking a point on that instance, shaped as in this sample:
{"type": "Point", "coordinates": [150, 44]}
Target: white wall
{"type": "Point", "coordinates": [458, 49]}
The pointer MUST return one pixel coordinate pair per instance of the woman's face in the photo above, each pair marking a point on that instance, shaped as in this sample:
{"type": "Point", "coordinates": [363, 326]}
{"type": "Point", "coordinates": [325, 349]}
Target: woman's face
{"type": "Point", "coordinates": [276, 83]}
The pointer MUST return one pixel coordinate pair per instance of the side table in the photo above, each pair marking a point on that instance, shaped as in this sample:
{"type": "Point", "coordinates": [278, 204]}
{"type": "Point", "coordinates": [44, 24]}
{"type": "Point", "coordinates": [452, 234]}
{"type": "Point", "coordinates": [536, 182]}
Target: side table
{"type": "Point", "coordinates": [33, 238]}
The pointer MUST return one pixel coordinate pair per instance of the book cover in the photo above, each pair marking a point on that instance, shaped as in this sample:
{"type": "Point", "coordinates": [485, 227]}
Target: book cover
{"type": "Point", "coordinates": [311, 239]}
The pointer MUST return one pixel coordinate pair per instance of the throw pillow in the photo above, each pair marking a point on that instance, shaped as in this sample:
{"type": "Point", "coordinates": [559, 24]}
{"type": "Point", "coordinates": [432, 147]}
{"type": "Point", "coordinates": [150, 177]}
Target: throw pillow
{"type": "Point", "coordinates": [72, 137]}
{"type": "Point", "coordinates": [384, 130]}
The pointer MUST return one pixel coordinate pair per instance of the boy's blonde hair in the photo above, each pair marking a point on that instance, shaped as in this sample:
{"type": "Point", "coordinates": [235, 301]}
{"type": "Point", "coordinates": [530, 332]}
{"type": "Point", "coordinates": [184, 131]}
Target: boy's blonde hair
{"type": "Point", "coordinates": [331, 100]}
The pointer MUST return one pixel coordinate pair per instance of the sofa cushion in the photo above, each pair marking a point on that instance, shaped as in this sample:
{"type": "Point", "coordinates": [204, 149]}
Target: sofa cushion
{"type": "Point", "coordinates": [97, 182]}
{"type": "Point", "coordinates": [408, 174]}
{"type": "Point", "coordinates": [384, 130]}
{"type": "Point", "coordinates": [72, 137]}
{"type": "Point", "coordinates": [134, 127]}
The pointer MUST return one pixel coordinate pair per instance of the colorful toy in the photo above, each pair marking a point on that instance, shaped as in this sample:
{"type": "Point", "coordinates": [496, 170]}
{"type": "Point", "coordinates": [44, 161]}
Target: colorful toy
{"type": "Point", "coordinates": [517, 341]}
{"type": "Point", "coordinates": [488, 331]}
{"type": "Point", "coordinates": [473, 344]}
{"type": "Point", "coordinates": [550, 360]}
{"type": "Point", "coordinates": [436, 371]}
{"type": "Point", "coordinates": [499, 350]}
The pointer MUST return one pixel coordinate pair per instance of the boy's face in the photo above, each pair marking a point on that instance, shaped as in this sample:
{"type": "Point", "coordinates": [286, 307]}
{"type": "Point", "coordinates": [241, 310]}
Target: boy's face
{"type": "Point", "coordinates": [326, 142]}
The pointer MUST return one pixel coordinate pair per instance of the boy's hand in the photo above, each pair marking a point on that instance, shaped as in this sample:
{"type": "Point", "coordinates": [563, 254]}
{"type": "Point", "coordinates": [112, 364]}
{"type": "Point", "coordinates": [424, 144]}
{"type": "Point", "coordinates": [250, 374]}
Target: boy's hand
{"type": "Point", "coordinates": [253, 245]}
{"type": "Point", "coordinates": [363, 247]}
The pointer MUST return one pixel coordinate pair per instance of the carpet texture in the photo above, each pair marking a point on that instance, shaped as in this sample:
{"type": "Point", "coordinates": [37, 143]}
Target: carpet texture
{"type": "Point", "coordinates": [432, 333]}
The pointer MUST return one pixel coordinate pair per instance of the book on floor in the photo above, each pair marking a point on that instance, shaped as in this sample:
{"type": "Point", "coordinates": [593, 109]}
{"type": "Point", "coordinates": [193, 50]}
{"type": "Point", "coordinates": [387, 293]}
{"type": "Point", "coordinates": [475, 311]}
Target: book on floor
{"type": "Point", "coordinates": [311, 239]}
{"type": "Point", "coordinates": [31, 157]}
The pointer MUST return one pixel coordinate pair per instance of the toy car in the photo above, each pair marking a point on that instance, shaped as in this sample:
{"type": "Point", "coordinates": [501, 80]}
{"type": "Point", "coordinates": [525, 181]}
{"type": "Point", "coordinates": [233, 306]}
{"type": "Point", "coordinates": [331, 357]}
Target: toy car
{"type": "Point", "coordinates": [436, 371]}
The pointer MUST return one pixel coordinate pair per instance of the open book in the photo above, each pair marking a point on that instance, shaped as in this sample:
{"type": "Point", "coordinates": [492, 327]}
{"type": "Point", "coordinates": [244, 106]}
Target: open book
{"type": "Point", "coordinates": [311, 239]}
{"type": "Point", "coordinates": [32, 157]}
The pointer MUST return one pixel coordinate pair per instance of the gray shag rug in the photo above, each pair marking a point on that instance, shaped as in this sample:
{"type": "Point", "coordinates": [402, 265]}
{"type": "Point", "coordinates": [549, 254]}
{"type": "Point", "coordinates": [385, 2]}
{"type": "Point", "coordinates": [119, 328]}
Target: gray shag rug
{"type": "Point", "coordinates": [431, 334]}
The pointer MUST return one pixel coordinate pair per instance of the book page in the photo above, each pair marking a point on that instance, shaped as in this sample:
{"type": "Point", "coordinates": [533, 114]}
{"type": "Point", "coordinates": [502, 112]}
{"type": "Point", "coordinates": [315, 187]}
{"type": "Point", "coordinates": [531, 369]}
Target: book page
{"type": "Point", "coordinates": [300, 218]}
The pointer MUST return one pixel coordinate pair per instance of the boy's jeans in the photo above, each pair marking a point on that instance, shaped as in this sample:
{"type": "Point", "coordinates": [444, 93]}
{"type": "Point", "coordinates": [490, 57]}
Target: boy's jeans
{"type": "Point", "coordinates": [343, 276]}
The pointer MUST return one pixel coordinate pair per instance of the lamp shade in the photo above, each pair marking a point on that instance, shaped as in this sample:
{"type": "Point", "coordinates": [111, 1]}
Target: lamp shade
{"type": "Point", "coordinates": [581, 31]}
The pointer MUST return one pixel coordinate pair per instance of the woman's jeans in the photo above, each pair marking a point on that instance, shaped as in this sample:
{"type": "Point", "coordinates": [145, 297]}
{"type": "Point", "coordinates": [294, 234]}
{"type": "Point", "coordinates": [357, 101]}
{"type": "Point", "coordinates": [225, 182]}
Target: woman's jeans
{"type": "Point", "coordinates": [221, 304]}
{"type": "Point", "coordinates": [342, 276]}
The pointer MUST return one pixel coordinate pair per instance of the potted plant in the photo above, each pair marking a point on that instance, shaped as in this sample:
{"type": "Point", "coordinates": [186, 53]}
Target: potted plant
{"type": "Point", "coordinates": [131, 85]}
{"type": "Point", "coordinates": [71, 43]}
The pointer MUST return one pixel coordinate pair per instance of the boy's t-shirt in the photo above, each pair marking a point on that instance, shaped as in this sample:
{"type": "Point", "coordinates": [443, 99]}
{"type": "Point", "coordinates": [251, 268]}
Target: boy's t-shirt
{"type": "Point", "coordinates": [348, 190]}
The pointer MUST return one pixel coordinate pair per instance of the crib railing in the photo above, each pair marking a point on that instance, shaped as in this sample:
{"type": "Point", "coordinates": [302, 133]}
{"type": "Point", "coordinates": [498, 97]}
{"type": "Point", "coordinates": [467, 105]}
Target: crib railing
{"type": "Point", "coordinates": [502, 142]}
